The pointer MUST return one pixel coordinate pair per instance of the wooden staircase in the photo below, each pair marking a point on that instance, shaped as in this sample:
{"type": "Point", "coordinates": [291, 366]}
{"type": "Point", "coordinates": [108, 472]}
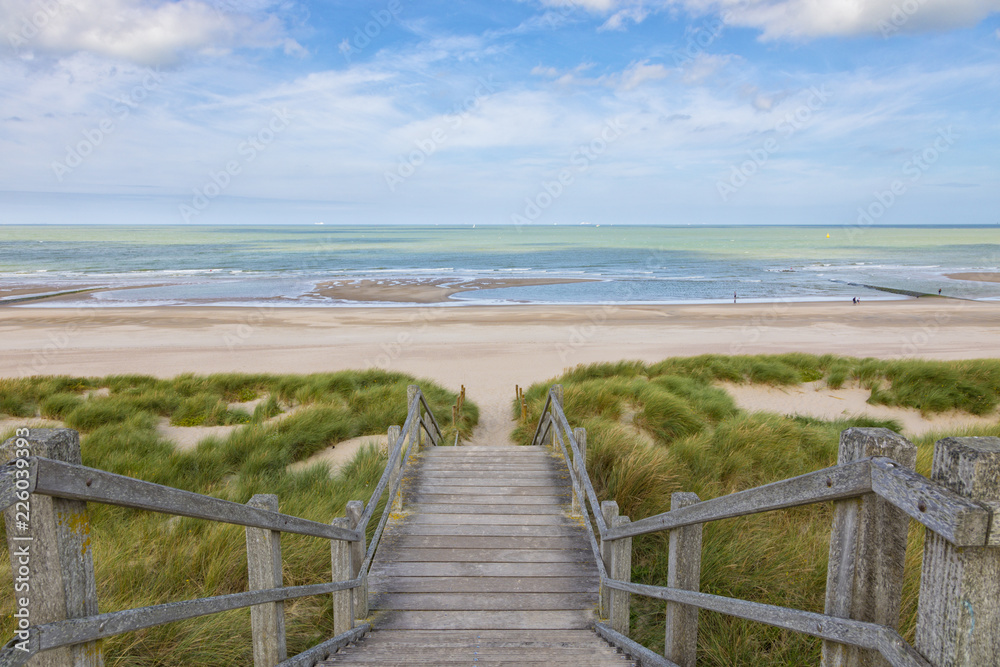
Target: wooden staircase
{"type": "Point", "coordinates": [484, 567]}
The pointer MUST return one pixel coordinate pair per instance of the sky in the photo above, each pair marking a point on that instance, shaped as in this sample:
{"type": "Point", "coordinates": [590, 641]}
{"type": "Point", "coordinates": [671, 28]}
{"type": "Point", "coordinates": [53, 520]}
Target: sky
{"type": "Point", "coordinates": [677, 112]}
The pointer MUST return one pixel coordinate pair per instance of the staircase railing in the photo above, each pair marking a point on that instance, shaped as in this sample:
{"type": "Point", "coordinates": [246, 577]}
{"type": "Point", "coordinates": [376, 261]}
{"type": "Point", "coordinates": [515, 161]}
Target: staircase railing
{"type": "Point", "coordinates": [875, 494]}
{"type": "Point", "coordinates": [44, 491]}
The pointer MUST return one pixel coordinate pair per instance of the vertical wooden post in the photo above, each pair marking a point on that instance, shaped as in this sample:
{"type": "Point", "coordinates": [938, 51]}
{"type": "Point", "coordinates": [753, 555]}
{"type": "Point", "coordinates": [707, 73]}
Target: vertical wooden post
{"type": "Point", "coordinates": [343, 601]}
{"type": "Point", "coordinates": [864, 578]}
{"type": "Point", "coordinates": [609, 510]}
{"type": "Point", "coordinates": [354, 510]}
{"type": "Point", "coordinates": [394, 461]}
{"type": "Point", "coordinates": [958, 618]}
{"type": "Point", "coordinates": [579, 464]}
{"type": "Point", "coordinates": [683, 571]}
{"type": "Point", "coordinates": [54, 538]}
{"type": "Point", "coordinates": [557, 391]}
{"type": "Point", "coordinates": [411, 392]}
{"type": "Point", "coordinates": [621, 569]}
{"type": "Point", "coordinates": [267, 621]}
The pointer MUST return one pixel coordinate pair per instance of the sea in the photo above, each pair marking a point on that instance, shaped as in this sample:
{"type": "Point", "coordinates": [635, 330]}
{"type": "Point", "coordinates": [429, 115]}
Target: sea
{"type": "Point", "coordinates": [281, 265]}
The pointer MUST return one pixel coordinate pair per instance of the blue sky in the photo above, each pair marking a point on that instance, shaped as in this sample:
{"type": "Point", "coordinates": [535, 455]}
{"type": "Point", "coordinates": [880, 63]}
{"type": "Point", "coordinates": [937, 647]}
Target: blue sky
{"type": "Point", "coordinates": [530, 111]}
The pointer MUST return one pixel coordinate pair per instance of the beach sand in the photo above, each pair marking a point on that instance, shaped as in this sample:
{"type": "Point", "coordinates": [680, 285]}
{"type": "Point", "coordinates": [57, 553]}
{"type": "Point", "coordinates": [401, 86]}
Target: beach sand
{"type": "Point", "coordinates": [422, 291]}
{"type": "Point", "coordinates": [983, 277]}
{"type": "Point", "coordinates": [489, 349]}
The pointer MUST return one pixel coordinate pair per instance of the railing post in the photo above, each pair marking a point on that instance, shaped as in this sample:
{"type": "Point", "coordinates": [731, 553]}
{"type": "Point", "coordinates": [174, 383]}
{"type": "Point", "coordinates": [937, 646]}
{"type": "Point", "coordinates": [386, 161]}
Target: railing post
{"type": "Point", "coordinates": [621, 569]}
{"type": "Point", "coordinates": [53, 536]}
{"type": "Point", "coordinates": [343, 601]}
{"type": "Point", "coordinates": [391, 438]}
{"type": "Point", "coordinates": [354, 510]}
{"type": "Point", "coordinates": [609, 510]}
{"type": "Point", "coordinates": [411, 392]}
{"type": "Point", "coordinates": [267, 621]}
{"type": "Point", "coordinates": [557, 395]}
{"type": "Point", "coordinates": [683, 571]}
{"type": "Point", "coordinates": [958, 618]}
{"type": "Point", "coordinates": [864, 578]}
{"type": "Point", "coordinates": [579, 464]}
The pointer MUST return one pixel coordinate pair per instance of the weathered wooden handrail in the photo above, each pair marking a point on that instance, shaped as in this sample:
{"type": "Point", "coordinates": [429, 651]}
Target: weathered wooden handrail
{"type": "Point", "coordinates": [48, 470]}
{"type": "Point", "coordinates": [875, 492]}
{"type": "Point", "coordinates": [77, 482]}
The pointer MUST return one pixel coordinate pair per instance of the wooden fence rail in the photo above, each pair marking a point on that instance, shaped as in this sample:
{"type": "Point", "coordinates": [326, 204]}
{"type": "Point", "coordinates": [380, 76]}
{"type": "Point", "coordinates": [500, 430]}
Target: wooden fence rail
{"type": "Point", "coordinates": [44, 490]}
{"type": "Point", "coordinates": [876, 493]}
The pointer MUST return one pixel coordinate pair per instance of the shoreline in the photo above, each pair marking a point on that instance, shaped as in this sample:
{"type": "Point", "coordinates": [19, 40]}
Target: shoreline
{"type": "Point", "coordinates": [489, 349]}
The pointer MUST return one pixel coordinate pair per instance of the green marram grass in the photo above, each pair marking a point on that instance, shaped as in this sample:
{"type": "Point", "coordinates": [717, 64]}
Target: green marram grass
{"type": "Point", "coordinates": [144, 558]}
{"type": "Point", "coordinates": [653, 429]}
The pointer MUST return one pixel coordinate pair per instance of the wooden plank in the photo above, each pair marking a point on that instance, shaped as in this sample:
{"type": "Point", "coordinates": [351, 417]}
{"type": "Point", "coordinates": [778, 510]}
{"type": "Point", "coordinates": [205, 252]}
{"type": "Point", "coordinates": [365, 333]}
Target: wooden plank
{"type": "Point", "coordinates": [404, 542]}
{"type": "Point", "coordinates": [488, 620]}
{"type": "Point", "coordinates": [309, 657]}
{"type": "Point", "coordinates": [494, 520]}
{"type": "Point", "coordinates": [486, 475]}
{"type": "Point", "coordinates": [491, 479]}
{"type": "Point", "coordinates": [539, 638]}
{"type": "Point", "coordinates": [508, 491]}
{"type": "Point", "coordinates": [89, 484]}
{"type": "Point", "coordinates": [479, 570]}
{"type": "Point", "coordinates": [846, 631]}
{"type": "Point", "coordinates": [646, 657]}
{"type": "Point", "coordinates": [449, 601]}
{"type": "Point", "coordinates": [484, 509]}
{"type": "Point", "coordinates": [961, 521]}
{"type": "Point", "coordinates": [101, 626]}
{"type": "Point", "coordinates": [488, 529]}
{"type": "Point", "coordinates": [834, 483]}
{"type": "Point", "coordinates": [489, 584]}
{"type": "Point", "coordinates": [482, 499]}
{"type": "Point", "coordinates": [451, 554]}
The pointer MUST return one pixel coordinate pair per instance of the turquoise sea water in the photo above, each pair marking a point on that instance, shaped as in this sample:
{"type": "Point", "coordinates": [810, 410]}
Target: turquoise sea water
{"type": "Point", "coordinates": [281, 264]}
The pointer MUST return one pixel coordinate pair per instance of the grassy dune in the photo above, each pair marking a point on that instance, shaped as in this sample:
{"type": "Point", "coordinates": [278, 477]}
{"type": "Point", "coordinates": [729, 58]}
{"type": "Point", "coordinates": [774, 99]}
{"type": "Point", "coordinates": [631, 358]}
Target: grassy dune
{"type": "Point", "coordinates": [658, 428]}
{"type": "Point", "coordinates": [143, 558]}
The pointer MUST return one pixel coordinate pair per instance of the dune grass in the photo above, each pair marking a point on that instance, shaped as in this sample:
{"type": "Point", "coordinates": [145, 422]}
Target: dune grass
{"type": "Point", "coordinates": [654, 429]}
{"type": "Point", "coordinates": [143, 558]}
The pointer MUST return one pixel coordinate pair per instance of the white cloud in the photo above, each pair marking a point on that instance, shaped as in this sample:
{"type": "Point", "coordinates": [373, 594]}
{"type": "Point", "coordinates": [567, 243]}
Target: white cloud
{"type": "Point", "coordinates": [620, 18]}
{"type": "Point", "coordinates": [640, 72]}
{"type": "Point", "coordinates": [138, 31]}
{"type": "Point", "coordinates": [799, 19]}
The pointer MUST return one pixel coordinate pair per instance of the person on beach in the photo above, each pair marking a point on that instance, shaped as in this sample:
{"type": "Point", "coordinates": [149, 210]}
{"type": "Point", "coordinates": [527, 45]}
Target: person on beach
{"type": "Point", "coordinates": [734, 297]}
